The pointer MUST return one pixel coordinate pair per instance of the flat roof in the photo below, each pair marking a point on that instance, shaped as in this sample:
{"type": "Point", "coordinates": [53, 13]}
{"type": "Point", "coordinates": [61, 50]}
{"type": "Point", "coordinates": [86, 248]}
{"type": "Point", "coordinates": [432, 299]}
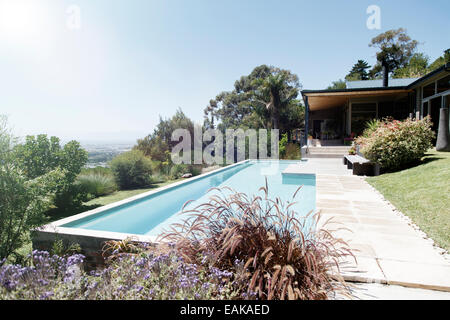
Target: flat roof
{"type": "Point", "coordinates": [379, 83]}
{"type": "Point", "coordinates": [326, 99]}
{"type": "Point", "coordinates": [330, 98]}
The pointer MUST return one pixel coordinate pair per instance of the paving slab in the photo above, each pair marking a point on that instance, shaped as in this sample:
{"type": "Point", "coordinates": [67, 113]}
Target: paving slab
{"type": "Point", "coordinates": [375, 291]}
{"type": "Point", "coordinates": [418, 275]}
{"type": "Point", "coordinates": [365, 269]}
{"type": "Point", "coordinates": [387, 248]}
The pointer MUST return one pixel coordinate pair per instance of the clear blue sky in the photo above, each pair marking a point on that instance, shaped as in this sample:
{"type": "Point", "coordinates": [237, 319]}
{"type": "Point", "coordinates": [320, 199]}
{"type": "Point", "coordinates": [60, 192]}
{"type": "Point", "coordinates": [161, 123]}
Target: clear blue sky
{"type": "Point", "coordinates": [134, 60]}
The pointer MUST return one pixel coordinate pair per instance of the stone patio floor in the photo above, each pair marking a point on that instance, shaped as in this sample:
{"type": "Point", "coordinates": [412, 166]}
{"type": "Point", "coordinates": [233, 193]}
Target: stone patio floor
{"type": "Point", "coordinates": [387, 248]}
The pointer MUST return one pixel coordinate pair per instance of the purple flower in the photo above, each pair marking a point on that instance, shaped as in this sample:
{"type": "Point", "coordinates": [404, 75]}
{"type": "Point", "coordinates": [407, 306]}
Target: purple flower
{"type": "Point", "coordinates": [46, 295]}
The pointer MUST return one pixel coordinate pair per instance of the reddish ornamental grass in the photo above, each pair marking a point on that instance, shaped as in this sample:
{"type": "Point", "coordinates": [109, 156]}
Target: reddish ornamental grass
{"type": "Point", "coordinates": [284, 257]}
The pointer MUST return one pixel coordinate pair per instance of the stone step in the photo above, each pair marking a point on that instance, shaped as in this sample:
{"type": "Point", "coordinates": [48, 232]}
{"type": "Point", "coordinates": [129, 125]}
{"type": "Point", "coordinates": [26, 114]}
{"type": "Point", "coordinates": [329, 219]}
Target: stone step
{"type": "Point", "coordinates": [325, 155]}
{"type": "Point", "coordinates": [329, 149]}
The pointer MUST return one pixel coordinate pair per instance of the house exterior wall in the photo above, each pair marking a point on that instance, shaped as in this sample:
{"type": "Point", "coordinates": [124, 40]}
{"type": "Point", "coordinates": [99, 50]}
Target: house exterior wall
{"type": "Point", "coordinates": [417, 99]}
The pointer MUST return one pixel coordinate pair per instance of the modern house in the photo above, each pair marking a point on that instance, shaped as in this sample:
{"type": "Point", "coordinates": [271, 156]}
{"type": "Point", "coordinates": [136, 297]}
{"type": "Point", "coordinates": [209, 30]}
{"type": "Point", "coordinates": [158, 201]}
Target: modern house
{"type": "Point", "coordinates": [332, 115]}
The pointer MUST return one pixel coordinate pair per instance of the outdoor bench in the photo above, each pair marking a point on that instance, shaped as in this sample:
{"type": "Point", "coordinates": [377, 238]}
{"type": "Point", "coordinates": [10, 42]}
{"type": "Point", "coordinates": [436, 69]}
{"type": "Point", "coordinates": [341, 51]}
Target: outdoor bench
{"type": "Point", "coordinates": [361, 166]}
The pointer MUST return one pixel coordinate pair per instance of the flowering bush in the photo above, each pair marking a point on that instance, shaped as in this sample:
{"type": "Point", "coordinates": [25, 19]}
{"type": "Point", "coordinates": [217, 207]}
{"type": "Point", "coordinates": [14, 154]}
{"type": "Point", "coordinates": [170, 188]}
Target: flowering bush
{"type": "Point", "coordinates": [130, 276]}
{"type": "Point", "coordinates": [395, 144]}
{"type": "Point", "coordinates": [48, 276]}
{"type": "Point", "coordinates": [232, 247]}
{"type": "Point", "coordinates": [284, 256]}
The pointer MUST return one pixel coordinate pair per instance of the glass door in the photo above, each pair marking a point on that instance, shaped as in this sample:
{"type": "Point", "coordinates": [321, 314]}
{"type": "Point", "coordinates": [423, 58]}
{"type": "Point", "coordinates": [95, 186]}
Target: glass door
{"type": "Point", "coordinates": [446, 103]}
{"type": "Point", "coordinates": [435, 109]}
{"type": "Point", "coordinates": [425, 109]}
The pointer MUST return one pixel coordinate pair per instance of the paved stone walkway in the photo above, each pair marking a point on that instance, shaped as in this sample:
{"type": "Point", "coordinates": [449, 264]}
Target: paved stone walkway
{"type": "Point", "coordinates": [375, 291]}
{"type": "Point", "coordinates": [387, 248]}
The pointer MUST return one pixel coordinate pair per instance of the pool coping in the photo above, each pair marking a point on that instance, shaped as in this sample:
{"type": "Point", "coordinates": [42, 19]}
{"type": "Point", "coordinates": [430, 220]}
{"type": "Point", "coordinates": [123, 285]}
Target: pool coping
{"type": "Point", "coordinates": [45, 235]}
{"type": "Point", "coordinates": [57, 226]}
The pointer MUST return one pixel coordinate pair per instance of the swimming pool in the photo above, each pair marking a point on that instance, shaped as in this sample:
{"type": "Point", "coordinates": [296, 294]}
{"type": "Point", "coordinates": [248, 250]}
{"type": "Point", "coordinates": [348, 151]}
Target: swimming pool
{"type": "Point", "coordinates": [151, 213]}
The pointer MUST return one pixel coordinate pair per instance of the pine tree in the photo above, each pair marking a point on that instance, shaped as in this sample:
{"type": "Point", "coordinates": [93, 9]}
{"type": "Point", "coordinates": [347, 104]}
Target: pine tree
{"type": "Point", "coordinates": [359, 71]}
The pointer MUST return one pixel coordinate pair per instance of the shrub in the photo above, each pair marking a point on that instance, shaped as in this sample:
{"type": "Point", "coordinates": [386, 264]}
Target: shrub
{"type": "Point", "coordinates": [397, 144]}
{"type": "Point", "coordinates": [105, 171]}
{"type": "Point", "coordinates": [23, 201]}
{"type": "Point", "coordinates": [132, 170]}
{"type": "Point", "coordinates": [292, 152]}
{"type": "Point", "coordinates": [97, 184]}
{"type": "Point", "coordinates": [23, 205]}
{"type": "Point", "coordinates": [195, 169]}
{"type": "Point", "coordinates": [372, 126]}
{"type": "Point", "coordinates": [283, 256]}
{"type": "Point", "coordinates": [178, 170]}
{"type": "Point", "coordinates": [282, 145]}
{"type": "Point", "coordinates": [40, 155]}
{"type": "Point", "coordinates": [146, 275]}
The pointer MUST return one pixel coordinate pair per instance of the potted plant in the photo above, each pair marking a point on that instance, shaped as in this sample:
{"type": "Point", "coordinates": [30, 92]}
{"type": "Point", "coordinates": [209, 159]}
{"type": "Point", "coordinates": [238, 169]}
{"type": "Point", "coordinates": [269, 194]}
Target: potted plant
{"type": "Point", "coordinates": [352, 151]}
{"type": "Point", "coordinates": [349, 139]}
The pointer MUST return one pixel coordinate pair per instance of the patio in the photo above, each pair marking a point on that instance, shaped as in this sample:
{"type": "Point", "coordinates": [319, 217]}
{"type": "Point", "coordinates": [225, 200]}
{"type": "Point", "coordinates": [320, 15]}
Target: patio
{"type": "Point", "coordinates": [388, 248]}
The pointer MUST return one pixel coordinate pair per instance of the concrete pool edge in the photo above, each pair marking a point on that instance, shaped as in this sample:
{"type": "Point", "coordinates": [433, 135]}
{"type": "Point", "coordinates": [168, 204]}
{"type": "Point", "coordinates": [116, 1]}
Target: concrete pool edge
{"type": "Point", "coordinates": [91, 241]}
{"type": "Point", "coordinates": [116, 204]}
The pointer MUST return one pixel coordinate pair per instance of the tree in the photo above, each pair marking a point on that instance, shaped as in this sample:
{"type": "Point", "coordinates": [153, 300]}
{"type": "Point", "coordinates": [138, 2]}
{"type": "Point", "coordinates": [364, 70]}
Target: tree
{"type": "Point", "coordinates": [40, 155]}
{"type": "Point", "coordinates": [276, 92]}
{"type": "Point", "coordinates": [417, 67]}
{"type": "Point", "coordinates": [210, 114]}
{"type": "Point", "coordinates": [395, 49]}
{"type": "Point", "coordinates": [336, 85]}
{"type": "Point", "coordinates": [156, 145]}
{"type": "Point", "coordinates": [23, 201]}
{"type": "Point", "coordinates": [292, 117]}
{"type": "Point", "coordinates": [259, 100]}
{"type": "Point", "coordinates": [439, 62]}
{"type": "Point", "coordinates": [358, 71]}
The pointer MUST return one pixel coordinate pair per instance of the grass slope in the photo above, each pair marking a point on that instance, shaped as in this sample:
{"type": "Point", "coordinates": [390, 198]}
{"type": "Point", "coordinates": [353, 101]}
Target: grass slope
{"type": "Point", "coordinates": [94, 203]}
{"type": "Point", "coordinates": [123, 194]}
{"type": "Point", "coordinates": [422, 193]}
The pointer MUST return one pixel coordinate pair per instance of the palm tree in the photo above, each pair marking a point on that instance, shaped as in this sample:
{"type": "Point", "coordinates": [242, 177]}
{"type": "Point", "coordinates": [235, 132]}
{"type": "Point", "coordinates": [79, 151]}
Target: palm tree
{"type": "Point", "coordinates": [275, 92]}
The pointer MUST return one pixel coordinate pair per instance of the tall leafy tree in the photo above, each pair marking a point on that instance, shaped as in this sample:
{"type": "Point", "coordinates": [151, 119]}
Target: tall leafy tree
{"type": "Point", "coordinates": [439, 62]}
{"type": "Point", "coordinates": [259, 100]}
{"type": "Point", "coordinates": [40, 155]}
{"type": "Point", "coordinates": [23, 201]}
{"type": "Point", "coordinates": [157, 144]}
{"type": "Point", "coordinates": [395, 48]}
{"type": "Point", "coordinates": [276, 92]}
{"type": "Point", "coordinates": [417, 67]}
{"type": "Point", "coordinates": [359, 71]}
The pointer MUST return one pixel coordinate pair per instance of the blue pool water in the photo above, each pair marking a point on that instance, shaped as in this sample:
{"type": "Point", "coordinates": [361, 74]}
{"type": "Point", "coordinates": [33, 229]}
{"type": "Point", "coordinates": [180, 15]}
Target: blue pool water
{"type": "Point", "coordinates": [154, 213]}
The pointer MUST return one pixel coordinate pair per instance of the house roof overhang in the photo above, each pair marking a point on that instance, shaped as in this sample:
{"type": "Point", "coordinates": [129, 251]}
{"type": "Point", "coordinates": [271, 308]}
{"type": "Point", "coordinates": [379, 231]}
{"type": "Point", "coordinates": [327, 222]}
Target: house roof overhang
{"type": "Point", "coordinates": [326, 99]}
{"type": "Point", "coordinates": [431, 76]}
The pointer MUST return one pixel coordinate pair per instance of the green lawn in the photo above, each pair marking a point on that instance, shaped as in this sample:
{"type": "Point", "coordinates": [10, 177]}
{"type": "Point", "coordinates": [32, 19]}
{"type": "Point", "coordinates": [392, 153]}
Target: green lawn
{"type": "Point", "coordinates": [94, 203]}
{"type": "Point", "coordinates": [422, 193]}
{"type": "Point", "coordinates": [123, 194]}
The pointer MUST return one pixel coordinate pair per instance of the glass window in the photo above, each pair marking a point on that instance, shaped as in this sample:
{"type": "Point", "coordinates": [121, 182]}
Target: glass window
{"type": "Point", "coordinates": [385, 109]}
{"type": "Point", "coordinates": [443, 84]}
{"type": "Point", "coordinates": [364, 108]}
{"type": "Point", "coordinates": [425, 109]}
{"type": "Point", "coordinates": [361, 113]}
{"type": "Point", "coordinates": [429, 90]}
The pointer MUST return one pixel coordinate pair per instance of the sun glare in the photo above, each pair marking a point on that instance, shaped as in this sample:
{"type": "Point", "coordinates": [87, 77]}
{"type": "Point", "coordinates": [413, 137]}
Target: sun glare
{"type": "Point", "coordinates": [22, 18]}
